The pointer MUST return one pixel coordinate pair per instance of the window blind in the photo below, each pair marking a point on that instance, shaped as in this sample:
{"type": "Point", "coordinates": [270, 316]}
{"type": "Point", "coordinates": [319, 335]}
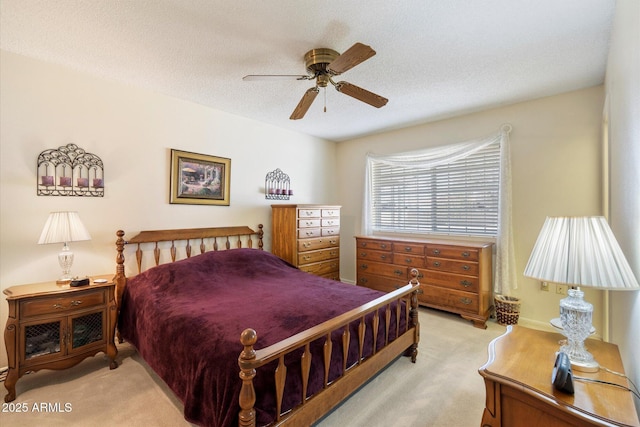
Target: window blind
{"type": "Point", "coordinates": [458, 198]}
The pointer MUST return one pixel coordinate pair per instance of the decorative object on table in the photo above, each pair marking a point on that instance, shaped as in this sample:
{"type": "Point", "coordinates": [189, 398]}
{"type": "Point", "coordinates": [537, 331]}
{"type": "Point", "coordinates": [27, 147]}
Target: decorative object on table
{"type": "Point", "coordinates": [64, 227]}
{"type": "Point", "coordinates": [277, 186]}
{"type": "Point", "coordinates": [579, 251]}
{"type": "Point", "coordinates": [507, 309]}
{"type": "Point", "coordinates": [199, 179]}
{"type": "Point", "coordinates": [68, 171]}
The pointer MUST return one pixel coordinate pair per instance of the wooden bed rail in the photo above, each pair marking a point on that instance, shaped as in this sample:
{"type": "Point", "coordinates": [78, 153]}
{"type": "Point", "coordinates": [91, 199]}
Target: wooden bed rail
{"type": "Point", "coordinates": [333, 392]}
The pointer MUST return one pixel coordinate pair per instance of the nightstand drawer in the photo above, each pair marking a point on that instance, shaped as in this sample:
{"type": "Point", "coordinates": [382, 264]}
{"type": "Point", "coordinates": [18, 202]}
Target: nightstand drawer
{"type": "Point", "coordinates": [48, 305]}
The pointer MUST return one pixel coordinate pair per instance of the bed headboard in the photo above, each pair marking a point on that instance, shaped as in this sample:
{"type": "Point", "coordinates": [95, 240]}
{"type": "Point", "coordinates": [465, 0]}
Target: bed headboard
{"type": "Point", "coordinates": [226, 235]}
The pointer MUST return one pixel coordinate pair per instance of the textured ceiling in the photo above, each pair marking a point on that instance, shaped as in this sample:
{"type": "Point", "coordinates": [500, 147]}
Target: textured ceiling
{"type": "Point", "coordinates": [435, 58]}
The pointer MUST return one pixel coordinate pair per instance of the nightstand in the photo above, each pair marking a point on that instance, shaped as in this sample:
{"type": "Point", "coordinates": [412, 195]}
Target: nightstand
{"type": "Point", "coordinates": [519, 391]}
{"type": "Point", "coordinates": [52, 326]}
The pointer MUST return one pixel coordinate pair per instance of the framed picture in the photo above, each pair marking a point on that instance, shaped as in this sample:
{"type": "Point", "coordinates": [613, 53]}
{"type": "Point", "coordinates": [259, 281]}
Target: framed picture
{"type": "Point", "coordinates": [199, 179]}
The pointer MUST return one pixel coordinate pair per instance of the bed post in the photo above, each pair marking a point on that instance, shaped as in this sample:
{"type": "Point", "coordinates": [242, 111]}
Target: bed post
{"type": "Point", "coordinates": [413, 317]}
{"type": "Point", "coordinates": [260, 235]}
{"type": "Point", "coordinates": [119, 279]}
{"type": "Point", "coordinates": [247, 415]}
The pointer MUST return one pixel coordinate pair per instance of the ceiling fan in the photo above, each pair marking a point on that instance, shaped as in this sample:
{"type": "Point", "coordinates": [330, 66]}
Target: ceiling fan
{"type": "Point", "coordinates": [323, 64]}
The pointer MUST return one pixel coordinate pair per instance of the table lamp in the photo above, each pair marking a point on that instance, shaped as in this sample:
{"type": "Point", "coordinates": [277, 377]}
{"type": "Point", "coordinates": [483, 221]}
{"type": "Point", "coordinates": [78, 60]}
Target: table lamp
{"type": "Point", "coordinates": [64, 227]}
{"type": "Point", "coordinates": [579, 251]}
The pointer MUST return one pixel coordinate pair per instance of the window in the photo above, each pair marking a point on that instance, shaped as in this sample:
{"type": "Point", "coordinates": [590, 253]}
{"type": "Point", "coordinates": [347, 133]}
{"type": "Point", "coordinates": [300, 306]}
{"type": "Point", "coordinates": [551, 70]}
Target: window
{"type": "Point", "coordinates": [459, 197]}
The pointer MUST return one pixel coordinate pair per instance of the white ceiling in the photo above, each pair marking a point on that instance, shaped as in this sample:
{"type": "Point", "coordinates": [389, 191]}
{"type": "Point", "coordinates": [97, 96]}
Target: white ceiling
{"type": "Point", "coordinates": [435, 58]}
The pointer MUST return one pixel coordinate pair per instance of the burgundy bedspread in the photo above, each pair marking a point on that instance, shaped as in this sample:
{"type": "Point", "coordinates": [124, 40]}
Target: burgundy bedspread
{"type": "Point", "coordinates": [185, 319]}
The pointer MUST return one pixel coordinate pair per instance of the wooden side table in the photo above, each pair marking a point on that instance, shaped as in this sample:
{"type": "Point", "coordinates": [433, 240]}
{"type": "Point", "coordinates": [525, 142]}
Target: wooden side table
{"type": "Point", "coordinates": [519, 391]}
{"type": "Point", "coordinates": [52, 326]}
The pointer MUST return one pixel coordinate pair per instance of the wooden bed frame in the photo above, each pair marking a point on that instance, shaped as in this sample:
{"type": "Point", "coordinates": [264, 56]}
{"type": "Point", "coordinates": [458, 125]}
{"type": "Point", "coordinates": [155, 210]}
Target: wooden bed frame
{"type": "Point", "coordinates": [352, 377]}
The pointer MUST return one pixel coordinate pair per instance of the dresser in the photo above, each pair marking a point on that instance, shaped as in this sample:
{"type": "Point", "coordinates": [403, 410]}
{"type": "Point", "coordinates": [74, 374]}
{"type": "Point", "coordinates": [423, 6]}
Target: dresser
{"type": "Point", "coordinates": [54, 326]}
{"type": "Point", "coordinates": [308, 236]}
{"type": "Point", "coordinates": [519, 390]}
{"type": "Point", "coordinates": [455, 276]}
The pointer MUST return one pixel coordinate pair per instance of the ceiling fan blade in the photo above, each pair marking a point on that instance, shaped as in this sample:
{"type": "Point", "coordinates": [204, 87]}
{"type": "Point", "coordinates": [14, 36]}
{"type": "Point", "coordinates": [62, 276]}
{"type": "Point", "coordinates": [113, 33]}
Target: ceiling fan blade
{"type": "Point", "coordinates": [305, 103]}
{"type": "Point", "coordinates": [361, 94]}
{"type": "Point", "coordinates": [253, 77]}
{"type": "Point", "coordinates": [350, 58]}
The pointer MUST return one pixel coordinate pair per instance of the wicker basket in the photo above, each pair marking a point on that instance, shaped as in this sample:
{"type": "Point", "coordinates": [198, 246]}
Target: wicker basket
{"type": "Point", "coordinates": [507, 309]}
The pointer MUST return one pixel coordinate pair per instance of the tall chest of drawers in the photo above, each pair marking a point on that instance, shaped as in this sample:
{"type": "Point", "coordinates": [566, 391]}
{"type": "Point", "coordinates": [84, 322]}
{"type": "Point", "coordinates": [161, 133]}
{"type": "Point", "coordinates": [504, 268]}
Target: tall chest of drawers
{"type": "Point", "coordinates": [308, 236]}
{"type": "Point", "coordinates": [456, 276]}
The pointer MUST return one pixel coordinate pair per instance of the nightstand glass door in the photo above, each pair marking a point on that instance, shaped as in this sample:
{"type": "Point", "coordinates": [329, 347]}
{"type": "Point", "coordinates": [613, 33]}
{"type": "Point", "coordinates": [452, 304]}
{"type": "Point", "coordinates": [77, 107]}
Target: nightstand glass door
{"type": "Point", "coordinates": [42, 339]}
{"type": "Point", "coordinates": [87, 329]}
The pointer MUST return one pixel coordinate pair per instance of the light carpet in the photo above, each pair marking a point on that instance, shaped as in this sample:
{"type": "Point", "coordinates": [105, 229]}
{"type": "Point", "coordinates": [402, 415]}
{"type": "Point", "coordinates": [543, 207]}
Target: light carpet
{"type": "Point", "coordinates": [443, 388]}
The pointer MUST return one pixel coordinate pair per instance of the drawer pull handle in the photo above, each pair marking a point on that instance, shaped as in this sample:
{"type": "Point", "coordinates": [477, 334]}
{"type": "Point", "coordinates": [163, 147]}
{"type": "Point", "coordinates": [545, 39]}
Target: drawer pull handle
{"type": "Point", "coordinates": [465, 283]}
{"type": "Point", "coordinates": [407, 260]}
{"type": "Point", "coordinates": [383, 257]}
{"type": "Point", "coordinates": [363, 280]}
{"type": "Point", "coordinates": [56, 306]}
{"type": "Point", "coordinates": [330, 231]}
{"type": "Point", "coordinates": [436, 251]}
{"type": "Point", "coordinates": [306, 245]}
{"type": "Point", "coordinates": [333, 242]}
{"type": "Point", "coordinates": [364, 266]}
{"type": "Point", "coordinates": [466, 301]}
{"type": "Point", "coordinates": [465, 254]}
{"type": "Point", "coordinates": [363, 244]}
{"type": "Point", "coordinates": [308, 213]}
{"type": "Point", "coordinates": [436, 264]}
{"type": "Point", "coordinates": [420, 291]}
{"type": "Point", "coordinates": [398, 272]}
{"type": "Point", "coordinates": [407, 248]}
{"type": "Point", "coordinates": [333, 252]}
{"type": "Point", "coordinates": [383, 246]}
{"type": "Point", "coordinates": [306, 257]}
{"type": "Point", "coordinates": [75, 303]}
{"type": "Point", "coordinates": [466, 268]}
{"type": "Point", "coordinates": [363, 254]}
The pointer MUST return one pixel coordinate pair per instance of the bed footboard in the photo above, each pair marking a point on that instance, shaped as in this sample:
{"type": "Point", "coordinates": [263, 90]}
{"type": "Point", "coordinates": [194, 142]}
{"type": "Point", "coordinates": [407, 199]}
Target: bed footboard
{"type": "Point", "coordinates": [312, 408]}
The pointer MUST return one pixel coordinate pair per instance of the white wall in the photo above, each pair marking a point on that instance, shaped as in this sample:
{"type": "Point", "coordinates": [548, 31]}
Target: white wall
{"type": "Point", "coordinates": [556, 168]}
{"type": "Point", "coordinates": [45, 106]}
{"type": "Point", "coordinates": [623, 93]}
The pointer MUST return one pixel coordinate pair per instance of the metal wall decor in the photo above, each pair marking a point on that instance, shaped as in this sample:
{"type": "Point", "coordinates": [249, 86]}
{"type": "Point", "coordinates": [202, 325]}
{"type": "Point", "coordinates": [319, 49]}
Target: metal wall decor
{"type": "Point", "coordinates": [70, 171]}
{"type": "Point", "coordinates": [277, 186]}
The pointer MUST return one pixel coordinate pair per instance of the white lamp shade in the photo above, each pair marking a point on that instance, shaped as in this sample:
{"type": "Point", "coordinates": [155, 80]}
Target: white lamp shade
{"type": "Point", "coordinates": [62, 227]}
{"type": "Point", "coordinates": [580, 251]}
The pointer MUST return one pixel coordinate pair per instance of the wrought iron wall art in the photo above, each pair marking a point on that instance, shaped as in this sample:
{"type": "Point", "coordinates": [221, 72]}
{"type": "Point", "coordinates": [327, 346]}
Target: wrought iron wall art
{"type": "Point", "coordinates": [277, 186]}
{"type": "Point", "coordinates": [70, 171]}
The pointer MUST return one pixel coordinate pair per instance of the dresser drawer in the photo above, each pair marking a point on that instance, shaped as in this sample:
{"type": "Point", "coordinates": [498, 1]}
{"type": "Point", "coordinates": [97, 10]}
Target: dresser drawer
{"type": "Point", "coordinates": [460, 267]}
{"type": "Point", "coordinates": [454, 252]}
{"type": "Point", "coordinates": [374, 244]}
{"type": "Point", "coordinates": [320, 243]}
{"type": "Point", "coordinates": [330, 222]}
{"type": "Point", "coordinates": [408, 248]}
{"type": "Point", "coordinates": [378, 256]}
{"type": "Point", "coordinates": [321, 268]}
{"type": "Point", "coordinates": [465, 301]}
{"type": "Point", "coordinates": [387, 270]}
{"type": "Point", "coordinates": [330, 213]}
{"type": "Point", "coordinates": [48, 305]}
{"type": "Point", "coordinates": [315, 256]}
{"type": "Point", "coordinates": [380, 283]}
{"type": "Point", "coordinates": [409, 260]}
{"type": "Point", "coordinates": [452, 281]}
{"type": "Point", "coordinates": [306, 233]}
{"type": "Point", "coordinates": [307, 223]}
{"type": "Point", "coordinates": [330, 231]}
{"type": "Point", "coordinates": [308, 213]}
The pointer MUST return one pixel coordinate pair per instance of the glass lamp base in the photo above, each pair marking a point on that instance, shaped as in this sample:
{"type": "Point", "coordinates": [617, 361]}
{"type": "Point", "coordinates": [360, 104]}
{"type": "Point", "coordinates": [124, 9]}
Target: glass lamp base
{"type": "Point", "coordinates": [579, 366]}
{"type": "Point", "coordinates": [575, 317]}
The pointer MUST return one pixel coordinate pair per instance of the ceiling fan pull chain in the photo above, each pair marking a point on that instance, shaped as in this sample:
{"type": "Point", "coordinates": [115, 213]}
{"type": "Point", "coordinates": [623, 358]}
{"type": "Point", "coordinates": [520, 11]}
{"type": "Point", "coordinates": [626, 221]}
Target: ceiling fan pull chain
{"type": "Point", "coordinates": [325, 99]}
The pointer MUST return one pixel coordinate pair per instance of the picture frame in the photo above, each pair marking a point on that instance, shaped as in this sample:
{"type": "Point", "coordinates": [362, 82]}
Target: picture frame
{"type": "Point", "coordinates": [199, 179]}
